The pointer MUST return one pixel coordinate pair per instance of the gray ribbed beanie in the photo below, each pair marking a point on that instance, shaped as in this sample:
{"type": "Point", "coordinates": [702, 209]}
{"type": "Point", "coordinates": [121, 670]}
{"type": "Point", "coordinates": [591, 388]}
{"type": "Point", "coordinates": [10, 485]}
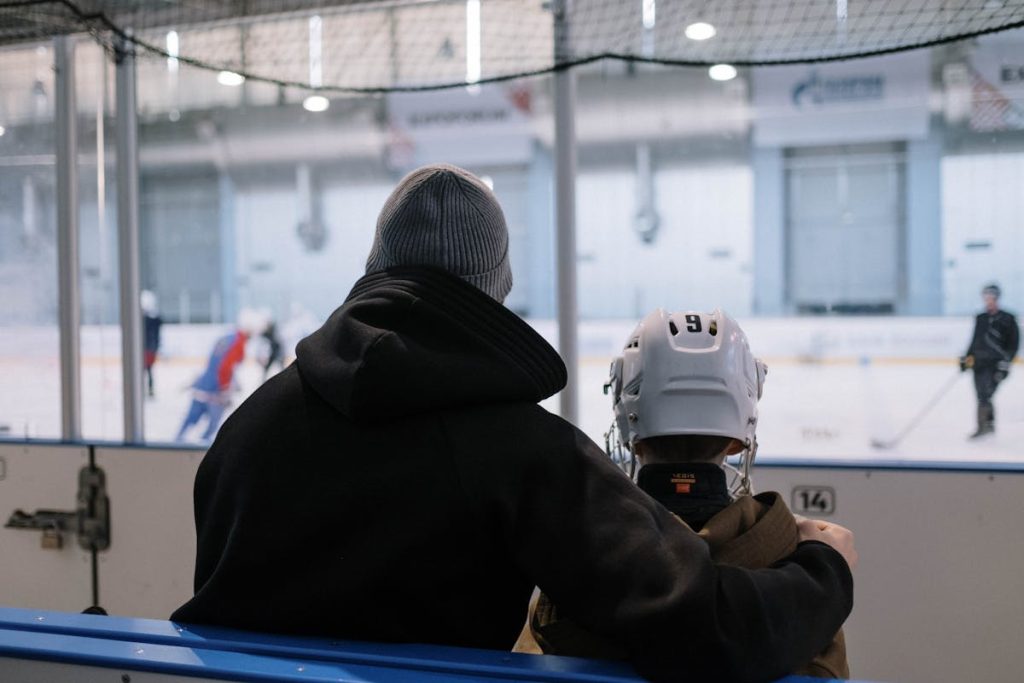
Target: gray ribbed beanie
{"type": "Point", "coordinates": [446, 217]}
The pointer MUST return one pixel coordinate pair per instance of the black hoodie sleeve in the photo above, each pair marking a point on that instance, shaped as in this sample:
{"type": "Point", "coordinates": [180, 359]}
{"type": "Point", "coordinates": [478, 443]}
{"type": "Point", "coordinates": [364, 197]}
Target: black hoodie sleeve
{"type": "Point", "coordinates": [619, 564]}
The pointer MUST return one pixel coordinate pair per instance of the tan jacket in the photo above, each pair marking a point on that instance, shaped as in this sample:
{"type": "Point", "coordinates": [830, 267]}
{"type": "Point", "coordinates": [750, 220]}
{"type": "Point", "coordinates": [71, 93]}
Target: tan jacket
{"type": "Point", "coordinates": [753, 533]}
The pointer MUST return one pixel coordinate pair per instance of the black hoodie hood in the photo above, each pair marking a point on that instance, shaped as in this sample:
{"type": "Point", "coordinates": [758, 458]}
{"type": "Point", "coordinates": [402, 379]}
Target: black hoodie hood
{"type": "Point", "coordinates": [412, 340]}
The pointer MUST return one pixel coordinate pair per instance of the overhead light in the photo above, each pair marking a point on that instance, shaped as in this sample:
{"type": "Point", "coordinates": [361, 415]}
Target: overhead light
{"type": "Point", "coordinates": [842, 11]}
{"type": "Point", "coordinates": [316, 65]}
{"type": "Point", "coordinates": [473, 64]}
{"type": "Point", "coordinates": [173, 46]}
{"type": "Point", "coordinates": [722, 72]}
{"type": "Point", "coordinates": [648, 13]}
{"type": "Point", "coordinates": [230, 78]}
{"type": "Point", "coordinates": [700, 31]}
{"type": "Point", "coordinates": [316, 103]}
{"type": "Point", "coordinates": [488, 181]}
{"type": "Point", "coordinates": [2, 131]}
{"type": "Point", "coordinates": [316, 57]}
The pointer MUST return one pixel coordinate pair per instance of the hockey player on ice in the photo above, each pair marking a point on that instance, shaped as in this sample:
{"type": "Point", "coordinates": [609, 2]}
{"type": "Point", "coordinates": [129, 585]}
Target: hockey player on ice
{"type": "Point", "coordinates": [151, 324]}
{"type": "Point", "coordinates": [211, 392]}
{"type": "Point", "coordinates": [990, 355]}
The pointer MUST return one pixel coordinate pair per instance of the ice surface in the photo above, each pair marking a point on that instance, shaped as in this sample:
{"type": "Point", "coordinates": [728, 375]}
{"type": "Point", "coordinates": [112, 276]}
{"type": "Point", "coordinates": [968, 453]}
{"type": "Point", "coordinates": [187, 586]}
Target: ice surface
{"type": "Point", "coordinates": [834, 385]}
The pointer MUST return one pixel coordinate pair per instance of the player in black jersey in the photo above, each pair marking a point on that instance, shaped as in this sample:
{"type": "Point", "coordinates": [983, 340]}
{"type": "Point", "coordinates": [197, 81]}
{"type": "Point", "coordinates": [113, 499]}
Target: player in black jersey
{"type": "Point", "coordinates": [992, 349]}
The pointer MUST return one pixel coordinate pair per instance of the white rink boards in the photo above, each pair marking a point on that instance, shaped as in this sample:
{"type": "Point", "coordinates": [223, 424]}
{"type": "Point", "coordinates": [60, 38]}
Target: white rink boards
{"type": "Point", "coordinates": [937, 589]}
{"type": "Point", "coordinates": [937, 594]}
{"type": "Point", "coordinates": [41, 477]}
{"type": "Point", "coordinates": [28, 671]}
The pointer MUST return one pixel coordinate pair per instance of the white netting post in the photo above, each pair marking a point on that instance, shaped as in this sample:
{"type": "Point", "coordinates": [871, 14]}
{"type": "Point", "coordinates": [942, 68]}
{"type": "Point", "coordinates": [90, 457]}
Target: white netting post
{"type": "Point", "coordinates": [565, 209]}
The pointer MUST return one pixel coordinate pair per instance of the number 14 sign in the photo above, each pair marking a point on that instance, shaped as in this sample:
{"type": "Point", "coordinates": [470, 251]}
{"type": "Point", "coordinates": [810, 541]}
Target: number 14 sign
{"type": "Point", "coordinates": [814, 500]}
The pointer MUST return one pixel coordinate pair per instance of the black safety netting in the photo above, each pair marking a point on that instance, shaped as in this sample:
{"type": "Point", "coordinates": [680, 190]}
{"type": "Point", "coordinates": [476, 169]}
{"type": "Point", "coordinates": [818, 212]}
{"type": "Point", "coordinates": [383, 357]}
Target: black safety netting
{"type": "Point", "coordinates": [408, 45]}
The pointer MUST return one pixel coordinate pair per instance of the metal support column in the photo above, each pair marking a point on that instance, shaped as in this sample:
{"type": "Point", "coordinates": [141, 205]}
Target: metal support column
{"type": "Point", "coordinates": [69, 295]}
{"type": "Point", "coordinates": [126, 138]}
{"type": "Point", "coordinates": [565, 208]}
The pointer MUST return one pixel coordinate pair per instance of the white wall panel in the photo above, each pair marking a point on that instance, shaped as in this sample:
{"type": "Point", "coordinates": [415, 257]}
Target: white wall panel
{"type": "Point", "coordinates": [148, 569]}
{"type": "Point", "coordinates": [702, 254]}
{"type": "Point", "coordinates": [279, 269]}
{"type": "Point", "coordinates": [29, 671]}
{"type": "Point", "coordinates": [937, 590]}
{"type": "Point", "coordinates": [705, 256]}
{"type": "Point", "coordinates": [610, 254]}
{"type": "Point", "coordinates": [982, 204]}
{"type": "Point", "coordinates": [41, 477]}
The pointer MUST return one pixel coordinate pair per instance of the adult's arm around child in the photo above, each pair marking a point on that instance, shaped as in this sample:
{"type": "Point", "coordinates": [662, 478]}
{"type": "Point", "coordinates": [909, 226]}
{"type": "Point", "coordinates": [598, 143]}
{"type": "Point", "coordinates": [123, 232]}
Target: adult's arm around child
{"type": "Point", "coordinates": [622, 566]}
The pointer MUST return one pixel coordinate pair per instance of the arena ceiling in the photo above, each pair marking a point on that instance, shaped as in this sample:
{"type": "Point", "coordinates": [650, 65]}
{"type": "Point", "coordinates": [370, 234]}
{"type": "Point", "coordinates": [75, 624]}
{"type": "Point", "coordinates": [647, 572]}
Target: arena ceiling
{"type": "Point", "coordinates": [376, 46]}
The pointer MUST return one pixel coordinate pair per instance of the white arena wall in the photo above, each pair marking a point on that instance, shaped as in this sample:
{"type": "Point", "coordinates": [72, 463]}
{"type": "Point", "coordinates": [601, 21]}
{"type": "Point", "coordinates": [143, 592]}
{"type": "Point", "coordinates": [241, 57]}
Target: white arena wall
{"type": "Point", "coordinates": [937, 588]}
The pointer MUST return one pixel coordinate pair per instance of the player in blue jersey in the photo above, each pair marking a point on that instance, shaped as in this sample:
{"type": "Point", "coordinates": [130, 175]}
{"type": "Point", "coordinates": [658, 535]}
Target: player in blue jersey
{"type": "Point", "coordinates": [211, 392]}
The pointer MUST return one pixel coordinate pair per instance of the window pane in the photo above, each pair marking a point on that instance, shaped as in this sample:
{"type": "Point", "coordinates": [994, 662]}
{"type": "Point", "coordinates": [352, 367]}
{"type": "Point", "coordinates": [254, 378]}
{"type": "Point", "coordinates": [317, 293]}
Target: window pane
{"type": "Point", "coordinates": [849, 221]}
{"type": "Point", "coordinates": [254, 204]}
{"type": "Point", "coordinates": [102, 393]}
{"type": "Point", "coordinates": [29, 356]}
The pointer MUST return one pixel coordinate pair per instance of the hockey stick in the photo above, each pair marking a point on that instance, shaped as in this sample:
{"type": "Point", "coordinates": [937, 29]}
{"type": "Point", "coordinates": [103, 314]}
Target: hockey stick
{"type": "Point", "coordinates": [883, 444]}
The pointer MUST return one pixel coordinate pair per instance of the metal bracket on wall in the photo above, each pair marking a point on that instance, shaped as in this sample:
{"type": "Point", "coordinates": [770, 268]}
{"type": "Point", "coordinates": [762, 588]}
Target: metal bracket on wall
{"type": "Point", "coordinates": [90, 521]}
{"type": "Point", "coordinates": [53, 523]}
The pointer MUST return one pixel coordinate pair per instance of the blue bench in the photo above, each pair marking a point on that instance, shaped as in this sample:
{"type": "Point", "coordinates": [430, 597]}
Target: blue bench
{"type": "Point", "coordinates": [55, 646]}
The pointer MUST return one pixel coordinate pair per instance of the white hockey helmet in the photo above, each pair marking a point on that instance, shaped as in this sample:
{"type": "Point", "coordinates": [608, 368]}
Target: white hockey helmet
{"type": "Point", "coordinates": [687, 373]}
{"type": "Point", "coordinates": [147, 301]}
{"type": "Point", "coordinates": [252, 321]}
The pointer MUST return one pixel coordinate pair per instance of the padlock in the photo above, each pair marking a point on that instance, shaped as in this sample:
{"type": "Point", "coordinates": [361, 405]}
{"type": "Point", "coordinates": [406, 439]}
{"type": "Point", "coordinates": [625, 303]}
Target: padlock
{"type": "Point", "coordinates": [52, 539]}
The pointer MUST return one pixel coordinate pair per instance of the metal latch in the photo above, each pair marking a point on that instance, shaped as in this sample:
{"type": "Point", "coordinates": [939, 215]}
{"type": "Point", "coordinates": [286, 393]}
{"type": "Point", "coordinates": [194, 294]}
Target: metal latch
{"type": "Point", "coordinates": [90, 521]}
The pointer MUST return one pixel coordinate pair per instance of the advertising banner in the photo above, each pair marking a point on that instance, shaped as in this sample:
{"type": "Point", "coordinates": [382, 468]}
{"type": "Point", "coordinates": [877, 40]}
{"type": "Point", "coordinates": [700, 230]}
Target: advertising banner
{"type": "Point", "coordinates": [879, 99]}
{"type": "Point", "coordinates": [448, 125]}
{"type": "Point", "coordinates": [997, 84]}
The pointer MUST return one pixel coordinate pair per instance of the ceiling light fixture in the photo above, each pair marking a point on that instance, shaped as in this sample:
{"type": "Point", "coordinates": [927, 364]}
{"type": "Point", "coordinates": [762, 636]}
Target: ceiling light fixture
{"type": "Point", "coordinates": [230, 78]}
{"type": "Point", "coordinates": [316, 103]}
{"type": "Point", "coordinates": [700, 31]}
{"type": "Point", "coordinates": [722, 72]}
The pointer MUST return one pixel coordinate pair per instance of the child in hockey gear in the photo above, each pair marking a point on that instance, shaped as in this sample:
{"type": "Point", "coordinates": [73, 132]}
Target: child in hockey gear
{"type": "Point", "coordinates": [993, 347]}
{"type": "Point", "coordinates": [685, 395]}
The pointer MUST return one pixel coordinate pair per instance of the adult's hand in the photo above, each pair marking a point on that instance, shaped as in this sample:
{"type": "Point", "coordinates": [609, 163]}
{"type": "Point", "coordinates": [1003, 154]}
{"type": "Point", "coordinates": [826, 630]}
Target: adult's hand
{"type": "Point", "coordinates": [839, 537]}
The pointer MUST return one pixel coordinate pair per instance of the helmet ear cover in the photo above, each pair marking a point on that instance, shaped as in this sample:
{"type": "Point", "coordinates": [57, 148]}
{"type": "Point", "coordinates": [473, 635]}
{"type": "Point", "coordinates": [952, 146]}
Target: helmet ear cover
{"type": "Point", "coordinates": [762, 375]}
{"type": "Point", "coordinates": [614, 383]}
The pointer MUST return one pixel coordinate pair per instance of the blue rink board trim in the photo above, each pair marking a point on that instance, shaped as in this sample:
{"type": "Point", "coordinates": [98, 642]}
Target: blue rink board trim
{"type": "Point", "coordinates": [166, 647]}
{"type": "Point", "coordinates": [501, 665]}
{"type": "Point", "coordinates": [765, 461]}
{"type": "Point", "coordinates": [219, 664]}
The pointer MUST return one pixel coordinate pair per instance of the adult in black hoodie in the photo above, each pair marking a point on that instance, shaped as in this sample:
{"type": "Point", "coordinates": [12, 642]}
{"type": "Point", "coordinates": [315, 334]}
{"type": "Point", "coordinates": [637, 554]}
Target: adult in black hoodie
{"type": "Point", "coordinates": [398, 482]}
